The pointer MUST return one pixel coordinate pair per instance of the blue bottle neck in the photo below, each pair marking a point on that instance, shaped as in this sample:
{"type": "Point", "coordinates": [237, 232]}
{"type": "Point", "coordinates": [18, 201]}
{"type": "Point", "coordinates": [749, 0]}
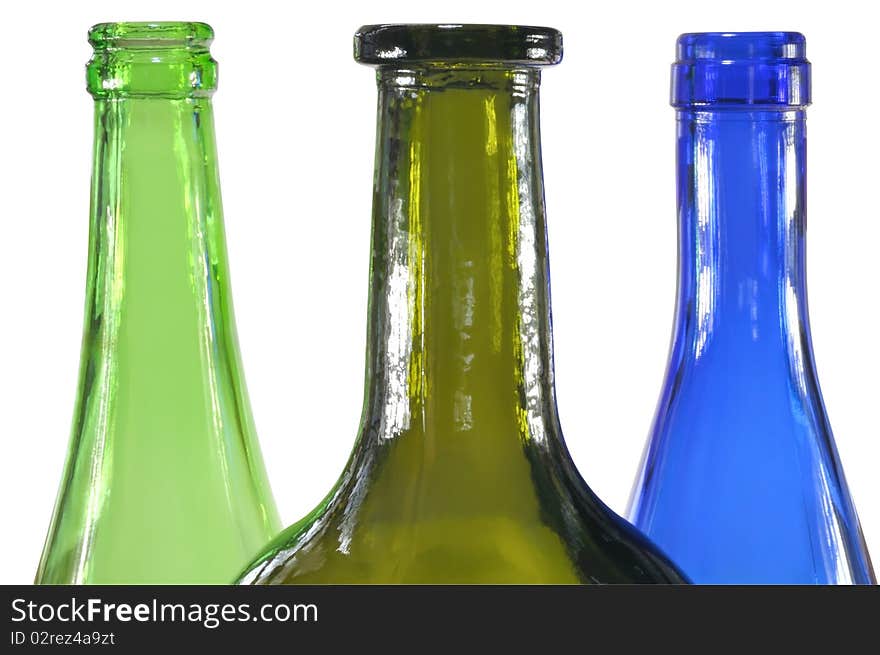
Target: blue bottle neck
{"type": "Point", "coordinates": [741, 482]}
{"type": "Point", "coordinates": [741, 200]}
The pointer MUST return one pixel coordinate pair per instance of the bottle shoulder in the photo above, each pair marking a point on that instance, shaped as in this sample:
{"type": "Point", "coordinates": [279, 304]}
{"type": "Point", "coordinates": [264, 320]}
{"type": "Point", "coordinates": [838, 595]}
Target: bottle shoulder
{"type": "Point", "coordinates": [385, 525]}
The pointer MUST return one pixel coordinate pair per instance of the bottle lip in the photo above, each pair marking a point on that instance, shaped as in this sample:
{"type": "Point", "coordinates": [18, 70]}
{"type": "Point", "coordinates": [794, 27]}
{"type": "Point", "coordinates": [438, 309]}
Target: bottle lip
{"type": "Point", "coordinates": [395, 44]}
{"type": "Point", "coordinates": [725, 69]}
{"type": "Point", "coordinates": [739, 46]}
{"type": "Point", "coordinates": [156, 59]}
{"type": "Point", "coordinates": [154, 34]}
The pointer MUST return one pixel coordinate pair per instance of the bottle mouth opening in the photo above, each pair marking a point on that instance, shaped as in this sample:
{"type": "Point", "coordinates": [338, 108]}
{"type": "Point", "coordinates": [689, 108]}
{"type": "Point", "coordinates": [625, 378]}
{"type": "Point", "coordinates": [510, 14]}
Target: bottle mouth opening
{"type": "Point", "coordinates": [402, 44]}
{"type": "Point", "coordinates": [161, 34]}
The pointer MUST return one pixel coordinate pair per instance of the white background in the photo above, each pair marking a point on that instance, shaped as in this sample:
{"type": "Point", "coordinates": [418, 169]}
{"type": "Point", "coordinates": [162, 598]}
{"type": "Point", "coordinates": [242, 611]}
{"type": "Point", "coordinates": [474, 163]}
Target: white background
{"type": "Point", "coordinates": [295, 126]}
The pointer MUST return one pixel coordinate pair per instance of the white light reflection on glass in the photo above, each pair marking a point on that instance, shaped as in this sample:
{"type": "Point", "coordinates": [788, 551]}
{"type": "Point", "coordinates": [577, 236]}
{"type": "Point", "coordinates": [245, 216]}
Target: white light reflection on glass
{"type": "Point", "coordinates": [462, 413]}
{"type": "Point", "coordinates": [792, 307]}
{"type": "Point", "coordinates": [349, 520]}
{"type": "Point", "coordinates": [530, 321]}
{"type": "Point", "coordinates": [796, 354]}
{"type": "Point", "coordinates": [767, 217]}
{"type": "Point", "coordinates": [203, 281]}
{"type": "Point", "coordinates": [463, 319]}
{"type": "Point", "coordinates": [102, 461]}
{"type": "Point", "coordinates": [835, 563]}
{"type": "Point", "coordinates": [398, 329]}
{"type": "Point", "coordinates": [706, 241]}
{"type": "Point", "coordinates": [393, 53]}
{"type": "Point", "coordinates": [795, 85]}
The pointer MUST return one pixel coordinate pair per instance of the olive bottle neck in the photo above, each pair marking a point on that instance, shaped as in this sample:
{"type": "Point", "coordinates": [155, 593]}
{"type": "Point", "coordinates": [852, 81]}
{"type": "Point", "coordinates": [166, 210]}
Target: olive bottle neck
{"type": "Point", "coordinates": [459, 330]}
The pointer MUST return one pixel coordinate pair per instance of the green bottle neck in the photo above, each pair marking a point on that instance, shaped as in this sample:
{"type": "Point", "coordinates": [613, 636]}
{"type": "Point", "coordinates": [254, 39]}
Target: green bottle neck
{"type": "Point", "coordinates": [160, 333]}
{"type": "Point", "coordinates": [157, 229]}
{"type": "Point", "coordinates": [459, 330]}
{"type": "Point", "coordinates": [160, 328]}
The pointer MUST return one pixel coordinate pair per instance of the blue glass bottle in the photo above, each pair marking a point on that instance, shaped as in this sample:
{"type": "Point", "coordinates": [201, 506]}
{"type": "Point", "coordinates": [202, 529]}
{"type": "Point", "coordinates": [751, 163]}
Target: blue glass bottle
{"type": "Point", "coordinates": [741, 481]}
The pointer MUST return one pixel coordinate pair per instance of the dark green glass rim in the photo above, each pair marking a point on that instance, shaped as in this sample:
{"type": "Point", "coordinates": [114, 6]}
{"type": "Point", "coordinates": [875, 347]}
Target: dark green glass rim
{"type": "Point", "coordinates": [396, 44]}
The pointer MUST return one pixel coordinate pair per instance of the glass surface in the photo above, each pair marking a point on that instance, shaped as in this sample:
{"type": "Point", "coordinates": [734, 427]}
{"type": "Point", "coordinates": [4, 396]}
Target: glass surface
{"type": "Point", "coordinates": [459, 473]}
{"type": "Point", "coordinates": [164, 482]}
{"type": "Point", "coordinates": [741, 482]}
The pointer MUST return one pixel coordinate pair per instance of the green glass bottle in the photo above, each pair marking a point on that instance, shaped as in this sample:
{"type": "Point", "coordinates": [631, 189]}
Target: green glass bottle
{"type": "Point", "coordinates": [460, 473]}
{"type": "Point", "coordinates": [164, 482]}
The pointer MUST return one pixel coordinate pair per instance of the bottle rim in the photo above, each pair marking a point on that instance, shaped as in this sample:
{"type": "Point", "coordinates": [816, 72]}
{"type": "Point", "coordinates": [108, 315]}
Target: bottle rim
{"type": "Point", "coordinates": [154, 34]}
{"type": "Point", "coordinates": [156, 59]}
{"type": "Point", "coordinates": [736, 69]}
{"type": "Point", "coordinates": [402, 43]}
{"type": "Point", "coordinates": [741, 46]}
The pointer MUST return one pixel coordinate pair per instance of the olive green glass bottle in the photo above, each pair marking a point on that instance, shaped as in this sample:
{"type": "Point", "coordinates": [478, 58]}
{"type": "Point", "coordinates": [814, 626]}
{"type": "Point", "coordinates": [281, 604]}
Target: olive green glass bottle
{"type": "Point", "coordinates": [460, 473]}
{"type": "Point", "coordinates": [164, 482]}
